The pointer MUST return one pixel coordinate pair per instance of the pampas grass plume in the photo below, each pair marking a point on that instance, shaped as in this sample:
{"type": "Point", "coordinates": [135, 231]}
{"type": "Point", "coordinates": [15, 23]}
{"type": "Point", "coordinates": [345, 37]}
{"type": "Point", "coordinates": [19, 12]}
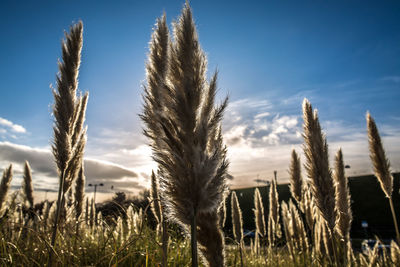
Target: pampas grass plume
{"type": "Point", "coordinates": [183, 125]}
{"type": "Point", "coordinates": [237, 219]}
{"type": "Point", "coordinates": [317, 165]}
{"type": "Point", "coordinates": [344, 214]}
{"type": "Point", "coordinates": [27, 184]}
{"type": "Point", "coordinates": [378, 158]}
{"type": "Point", "coordinates": [259, 213]}
{"type": "Point", "coordinates": [381, 166]}
{"type": "Point", "coordinates": [5, 184]}
{"type": "Point", "coordinates": [155, 198]}
{"type": "Point", "coordinates": [296, 182]}
{"type": "Point", "coordinates": [79, 192]}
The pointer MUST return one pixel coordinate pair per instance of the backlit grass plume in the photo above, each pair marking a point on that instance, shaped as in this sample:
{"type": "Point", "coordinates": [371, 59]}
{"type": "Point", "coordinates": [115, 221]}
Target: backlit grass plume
{"type": "Point", "coordinates": [69, 113]}
{"type": "Point", "coordinates": [296, 182]}
{"type": "Point", "coordinates": [343, 204]}
{"type": "Point", "coordinates": [183, 125]}
{"type": "Point", "coordinates": [381, 166]}
{"type": "Point", "coordinates": [378, 157]}
{"type": "Point", "coordinates": [5, 184]}
{"type": "Point", "coordinates": [274, 227]}
{"type": "Point", "coordinates": [155, 199]}
{"type": "Point", "coordinates": [237, 223]}
{"type": "Point", "coordinates": [237, 220]}
{"type": "Point", "coordinates": [156, 208]}
{"type": "Point", "coordinates": [317, 165]}
{"type": "Point", "coordinates": [296, 237]}
{"type": "Point", "coordinates": [28, 193]}
{"type": "Point", "coordinates": [79, 192]}
{"type": "Point", "coordinates": [222, 214]}
{"type": "Point", "coordinates": [259, 214]}
{"type": "Point", "coordinates": [27, 184]}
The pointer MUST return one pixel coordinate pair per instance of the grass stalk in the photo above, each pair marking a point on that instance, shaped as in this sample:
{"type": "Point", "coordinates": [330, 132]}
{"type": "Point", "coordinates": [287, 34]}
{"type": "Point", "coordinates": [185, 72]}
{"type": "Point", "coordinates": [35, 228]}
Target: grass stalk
{"type": "Point", "coordinates": [240, 245]}
{"type": "Point", "coordinates": [193, 239]}
{"type": "Point", "coordinates": [394, 220]}
{"type": "Point", "coordinates": [55, 224]}
{"type": "Point", "coordinates": [164, 243]}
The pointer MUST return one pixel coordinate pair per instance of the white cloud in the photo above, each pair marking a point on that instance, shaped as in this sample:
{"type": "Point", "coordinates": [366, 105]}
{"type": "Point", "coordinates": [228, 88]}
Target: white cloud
{"type": "Point", "coordinates": [258, 145]}
{"type": "Point", "coordinates": [249, 121]}
{"type": "Point", "coordinates": [14, 127]}
{"type": "Point", "coordinates": [262, 115]}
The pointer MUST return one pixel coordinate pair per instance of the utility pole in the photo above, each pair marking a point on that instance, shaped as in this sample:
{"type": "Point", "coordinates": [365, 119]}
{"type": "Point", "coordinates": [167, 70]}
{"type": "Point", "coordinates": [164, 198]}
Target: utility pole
{"type": "Point", "coordinates": [95, 190]}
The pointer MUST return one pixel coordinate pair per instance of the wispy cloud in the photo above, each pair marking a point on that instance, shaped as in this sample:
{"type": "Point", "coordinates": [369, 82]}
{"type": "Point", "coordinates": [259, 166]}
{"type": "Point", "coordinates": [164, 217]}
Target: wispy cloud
{"type": "Point", "coordinates": [16, 128]}
{"type": "Point", "coordinates": [394, 79]}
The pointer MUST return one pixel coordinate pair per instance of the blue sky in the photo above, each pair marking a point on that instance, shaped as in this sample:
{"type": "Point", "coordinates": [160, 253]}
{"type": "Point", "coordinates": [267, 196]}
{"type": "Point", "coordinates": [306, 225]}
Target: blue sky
{"type": "Point", "coordinates": [342, 55]}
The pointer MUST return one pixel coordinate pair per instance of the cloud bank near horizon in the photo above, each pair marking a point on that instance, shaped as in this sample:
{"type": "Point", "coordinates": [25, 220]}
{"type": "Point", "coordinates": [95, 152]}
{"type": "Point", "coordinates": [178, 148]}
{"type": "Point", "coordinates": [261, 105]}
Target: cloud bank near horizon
{"type": "Point", "coordinates": [45, 176]}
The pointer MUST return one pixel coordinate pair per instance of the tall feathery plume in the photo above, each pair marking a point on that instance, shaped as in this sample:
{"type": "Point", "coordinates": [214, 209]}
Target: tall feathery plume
{"type": "Point", "coordinates": [259, 216]}
{"type": "Point", "coordinates": [308, 206]}
{"type": "Point", "coordinates": [286, 220]}
{"type": "Point", "coordinates": [69, 113]}
{"type": "Point", "coordinates": [274, 228]}
{"type": "Point", "coordinates": [79, 192]}
{"type": "Point", "coordinates": [155, 199]}
{"type": "Point", "coordinates": [237, 220]}
{"type": "Point", "coordinates": [343, 204]}
{"type": "Point", "coordinates": [381, 166]}
{"type": "Point", "coordinates": [28, 190]}
{"type": "Point", "coordinates": [298, 229]}
{"type": "Point", "coordinates": [222, 214]}
{"type": "Point", "coordinates": [154, 97]}
{"type": "Point", "coordinates": [322, 244]}
{"type": "Point", "coordinates": [46, 213]}
{"type": "Point", "coordinates": [296, 182]}
{"type": "Point", "coordinates": [156, 208]}
{"type": "Point", "coordinates": [317, 165]}
{"type": "Point", "coordinates": [92, 213]}
{"type": "Point", "coordinates": [27, 184]}
{"type": "Point", "coordinates": [5, 184]}
{"type": "Point", "coordinates": [87, 211]}
{"type": "Point", "coordinates": [296, 237]}
{"type": "Point", "coordinates": [184, 126]}
{"type": "Point", "coordinates": [237, 223]}
{"type": "Point", "coordinates": [79, 198]}
{"type": "Point", "coordinates": [319, 174]}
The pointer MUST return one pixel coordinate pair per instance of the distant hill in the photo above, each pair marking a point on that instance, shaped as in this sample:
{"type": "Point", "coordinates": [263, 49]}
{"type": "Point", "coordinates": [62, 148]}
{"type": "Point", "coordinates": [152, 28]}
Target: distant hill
{"type": "Point", "coordinates": [368, 204]}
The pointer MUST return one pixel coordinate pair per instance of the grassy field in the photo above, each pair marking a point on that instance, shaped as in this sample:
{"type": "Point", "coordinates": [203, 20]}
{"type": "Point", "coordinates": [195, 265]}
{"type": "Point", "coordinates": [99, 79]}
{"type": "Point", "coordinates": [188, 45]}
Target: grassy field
{"type": "Point", "coordinates": [368, 203]}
